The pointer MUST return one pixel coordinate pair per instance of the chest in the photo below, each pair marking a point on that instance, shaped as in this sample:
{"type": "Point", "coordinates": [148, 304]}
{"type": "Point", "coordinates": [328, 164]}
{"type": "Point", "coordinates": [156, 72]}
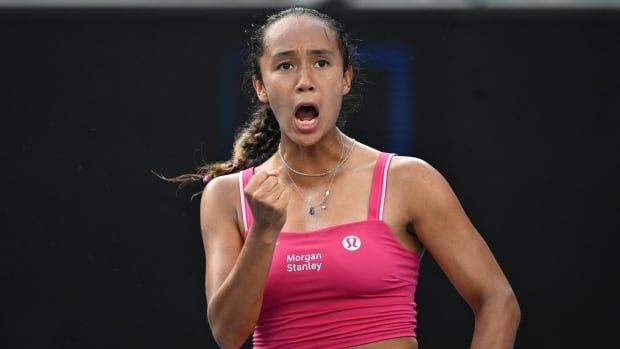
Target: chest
{"type": "Point", "coordinates": [359, 259]}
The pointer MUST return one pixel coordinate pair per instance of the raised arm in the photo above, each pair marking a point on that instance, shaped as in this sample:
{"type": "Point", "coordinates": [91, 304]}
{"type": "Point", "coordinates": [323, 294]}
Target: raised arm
{"type": "Point", "coordinates": [236, 271]}
{"type": "Point", "coordinates": [447, 233]}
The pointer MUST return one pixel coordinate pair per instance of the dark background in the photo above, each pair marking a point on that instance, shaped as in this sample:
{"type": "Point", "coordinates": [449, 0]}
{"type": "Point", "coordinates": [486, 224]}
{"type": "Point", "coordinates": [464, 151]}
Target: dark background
{"type": "Point", "coordinates": [518, 109]}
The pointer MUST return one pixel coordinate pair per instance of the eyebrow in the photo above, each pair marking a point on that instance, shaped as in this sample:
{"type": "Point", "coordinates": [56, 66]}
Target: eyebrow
{"type": "Point", "coordinates": [320, 51]}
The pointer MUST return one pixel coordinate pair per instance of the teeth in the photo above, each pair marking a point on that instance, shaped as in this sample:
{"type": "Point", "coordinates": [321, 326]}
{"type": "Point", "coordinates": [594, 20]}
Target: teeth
{"type": "Point", "coordinates": [305, 123]}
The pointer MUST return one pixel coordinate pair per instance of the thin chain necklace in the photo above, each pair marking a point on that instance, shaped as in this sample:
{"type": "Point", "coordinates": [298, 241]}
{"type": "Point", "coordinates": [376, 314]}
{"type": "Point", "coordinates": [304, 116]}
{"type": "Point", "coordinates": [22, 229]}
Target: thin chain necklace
{"type": "Point", "coordinates": [334, 169]}
{"type": "Point", "coordinates": [323, 203]}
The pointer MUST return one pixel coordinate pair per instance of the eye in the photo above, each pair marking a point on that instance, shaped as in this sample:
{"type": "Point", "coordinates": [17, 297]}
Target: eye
{"type": "Point", "coordinates": [284, 66]}
{"type": "Point", "coordinates": [322, 63]}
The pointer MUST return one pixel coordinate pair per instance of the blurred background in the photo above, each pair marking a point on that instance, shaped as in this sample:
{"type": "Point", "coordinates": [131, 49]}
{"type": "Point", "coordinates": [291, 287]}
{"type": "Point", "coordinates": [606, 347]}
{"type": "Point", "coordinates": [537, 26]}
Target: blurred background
{"type": "Point", "coordinates": [516, 102]}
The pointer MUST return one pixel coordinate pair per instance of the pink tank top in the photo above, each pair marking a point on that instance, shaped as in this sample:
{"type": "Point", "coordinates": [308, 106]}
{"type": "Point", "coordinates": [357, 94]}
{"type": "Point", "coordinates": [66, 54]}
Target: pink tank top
{"type": "Point", "coordinates": [338, 286]}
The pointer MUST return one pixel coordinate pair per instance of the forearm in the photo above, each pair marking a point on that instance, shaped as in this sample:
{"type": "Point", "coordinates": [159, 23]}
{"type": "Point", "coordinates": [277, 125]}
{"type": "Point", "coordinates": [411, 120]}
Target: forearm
{"type": "Point", "coordinates": [497, 320]}
{"type": "Point", "coordinates": [235, 307]}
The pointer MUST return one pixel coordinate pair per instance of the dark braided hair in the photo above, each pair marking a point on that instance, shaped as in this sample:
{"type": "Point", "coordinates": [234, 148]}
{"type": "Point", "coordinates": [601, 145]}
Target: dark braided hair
{"type": "Point", "coordinates": [257, 140]}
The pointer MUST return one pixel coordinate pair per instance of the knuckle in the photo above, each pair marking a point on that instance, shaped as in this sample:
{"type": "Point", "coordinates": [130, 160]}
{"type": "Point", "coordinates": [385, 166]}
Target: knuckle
{"type": "Point", "coordinates": [248, 190]}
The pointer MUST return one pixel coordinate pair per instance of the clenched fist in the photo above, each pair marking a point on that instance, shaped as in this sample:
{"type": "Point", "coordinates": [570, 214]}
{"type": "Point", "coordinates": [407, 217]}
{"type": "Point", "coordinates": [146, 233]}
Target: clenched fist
{"type": "Point", "coordinates": [268, 198]}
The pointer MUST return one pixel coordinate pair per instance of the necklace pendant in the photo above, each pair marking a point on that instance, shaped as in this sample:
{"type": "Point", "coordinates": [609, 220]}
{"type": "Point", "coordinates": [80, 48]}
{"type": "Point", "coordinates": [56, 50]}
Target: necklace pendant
{"type": "Point", "coordinates": [311, 211]}
{"type": "Point", "coordinates": [324, 207]}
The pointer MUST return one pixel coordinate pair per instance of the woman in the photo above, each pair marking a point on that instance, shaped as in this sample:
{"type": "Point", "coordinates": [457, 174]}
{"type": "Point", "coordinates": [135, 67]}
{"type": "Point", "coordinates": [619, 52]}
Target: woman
{"type": "Point", "coordinates": [317, 242]}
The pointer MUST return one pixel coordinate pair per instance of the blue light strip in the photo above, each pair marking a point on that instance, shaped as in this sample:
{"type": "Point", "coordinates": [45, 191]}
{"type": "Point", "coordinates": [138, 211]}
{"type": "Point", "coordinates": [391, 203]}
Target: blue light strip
{"type": "Point", "coordinates": [395, 60]}
{"type": "Point", "coordinates": [229, 98]}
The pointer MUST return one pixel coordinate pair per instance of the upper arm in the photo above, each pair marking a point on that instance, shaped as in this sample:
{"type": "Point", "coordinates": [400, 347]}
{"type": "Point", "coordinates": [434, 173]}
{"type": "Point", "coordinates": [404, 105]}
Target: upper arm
{"type": "Point", "coordinates": [445, 230]}
{"type": "Point", "coordinates": [221, 237]}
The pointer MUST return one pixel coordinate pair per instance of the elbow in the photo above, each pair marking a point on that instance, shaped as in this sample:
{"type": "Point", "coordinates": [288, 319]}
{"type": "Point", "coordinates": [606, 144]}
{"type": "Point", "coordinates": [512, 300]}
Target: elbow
{"type": "Point", "coordinates": [507, 304]}
{"type": "Point", "coordinates": [515, 309]}
{"type": "Point", "coordinates": [511, 305]}
{"type": "Point", "coordinates": [226, 344]}
{"type": "Point", "coordinates": [224, 336]}
{"type": "Point", "coordinates": [227, 339]}
{"type": "Point", "coordinates": [502, 301]}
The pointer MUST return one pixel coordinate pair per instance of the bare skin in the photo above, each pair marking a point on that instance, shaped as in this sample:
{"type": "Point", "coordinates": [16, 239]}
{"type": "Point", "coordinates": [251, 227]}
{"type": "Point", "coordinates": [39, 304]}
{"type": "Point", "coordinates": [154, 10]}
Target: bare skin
{"type": "Point", "coordinates": [421, 209]}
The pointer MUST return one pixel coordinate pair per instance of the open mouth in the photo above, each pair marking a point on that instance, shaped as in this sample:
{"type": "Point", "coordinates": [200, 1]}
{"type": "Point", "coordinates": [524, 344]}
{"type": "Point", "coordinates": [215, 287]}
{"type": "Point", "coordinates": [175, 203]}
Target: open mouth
{"type": "Point", "coordinates": [306, 113]}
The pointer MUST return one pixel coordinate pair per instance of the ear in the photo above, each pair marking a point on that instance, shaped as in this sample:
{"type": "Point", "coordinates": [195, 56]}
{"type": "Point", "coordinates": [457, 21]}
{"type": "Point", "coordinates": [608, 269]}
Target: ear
{"type": "Point", "coordinates": [347, 77]}
{"type": "Point", "coordinates": [260, 90]}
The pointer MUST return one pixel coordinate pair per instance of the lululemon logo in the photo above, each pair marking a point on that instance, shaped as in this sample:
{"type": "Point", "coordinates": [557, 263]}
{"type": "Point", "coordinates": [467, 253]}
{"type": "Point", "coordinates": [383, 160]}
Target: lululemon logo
{"type": "Point", "coordinates": [351, 243]}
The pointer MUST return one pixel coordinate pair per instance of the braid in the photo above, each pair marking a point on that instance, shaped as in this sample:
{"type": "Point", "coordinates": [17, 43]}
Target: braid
{"type": "Point", "coordinates": [258, 139]}
{"type": "Point", "coordinates": [255, 142]}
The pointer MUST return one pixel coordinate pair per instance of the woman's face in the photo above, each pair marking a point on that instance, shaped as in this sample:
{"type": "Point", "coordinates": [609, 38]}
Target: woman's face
{"type": "Point", "coordinates": [302, 77]}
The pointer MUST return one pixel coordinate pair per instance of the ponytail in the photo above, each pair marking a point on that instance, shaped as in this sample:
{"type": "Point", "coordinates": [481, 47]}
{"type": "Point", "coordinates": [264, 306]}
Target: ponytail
{"type": "Point", "coordinates": [255, 142]}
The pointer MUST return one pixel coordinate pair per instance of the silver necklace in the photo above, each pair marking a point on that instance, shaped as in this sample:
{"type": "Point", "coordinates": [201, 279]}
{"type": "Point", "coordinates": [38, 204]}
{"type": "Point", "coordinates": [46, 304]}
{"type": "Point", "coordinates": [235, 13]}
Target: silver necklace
{"type": "Point", "coordinates": [334, 169]}
{"type": "Point", "coordinates": [323, 203]}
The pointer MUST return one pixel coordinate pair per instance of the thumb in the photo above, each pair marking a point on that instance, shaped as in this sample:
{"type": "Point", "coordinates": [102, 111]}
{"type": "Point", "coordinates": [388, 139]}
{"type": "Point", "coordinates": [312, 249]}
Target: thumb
{"type": "Point", "coordinates": [282, 174]}
{"type": "Point", "coordinates": [274, 172]}
{"type": "Point", "coordinates": [279, 173]}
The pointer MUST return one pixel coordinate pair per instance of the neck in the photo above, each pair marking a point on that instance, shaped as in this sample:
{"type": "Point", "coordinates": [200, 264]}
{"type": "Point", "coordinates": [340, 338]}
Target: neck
{"type": "Point", "coordinates": [316, 158]}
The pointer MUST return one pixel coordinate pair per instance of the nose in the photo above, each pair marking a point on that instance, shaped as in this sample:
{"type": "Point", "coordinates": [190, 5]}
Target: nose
{"type": "Point", "coordinates": [305, 82]}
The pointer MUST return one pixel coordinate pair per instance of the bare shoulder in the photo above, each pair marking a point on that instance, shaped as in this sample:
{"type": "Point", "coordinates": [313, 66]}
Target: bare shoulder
{"type": "Point", "coordinates": [220, 201]}
{"type": "Point", "coordinates": [221, 187]}
{"type": "Point", "coordinates": [421, 187]}
{"type": "Point", "coordinates": [412, 171]}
